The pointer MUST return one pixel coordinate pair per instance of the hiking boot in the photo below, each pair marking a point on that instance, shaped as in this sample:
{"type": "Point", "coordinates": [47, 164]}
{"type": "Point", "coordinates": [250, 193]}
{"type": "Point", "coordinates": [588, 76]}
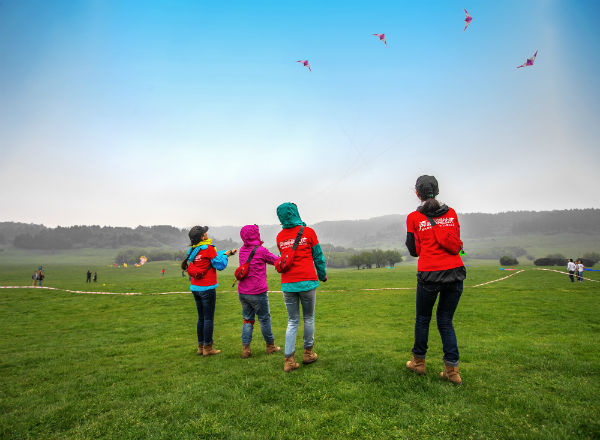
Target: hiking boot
{"type": "Point", "coordinates": [272, 348]}
{"type": "Point", "coordinates": [309, 356]}
{"type": "Point", "coordinates": [290, 364]}
{"type": "Point", "coordinates": [200, 349]}
{"type": "Point", "coordinates": [246, 352]}
{"type": "Point", "coordinates": [210, 351]}
{"type": "Point", "coordinates": [416, 364]}
{"type": "Point", "coordinates": [451, 374]}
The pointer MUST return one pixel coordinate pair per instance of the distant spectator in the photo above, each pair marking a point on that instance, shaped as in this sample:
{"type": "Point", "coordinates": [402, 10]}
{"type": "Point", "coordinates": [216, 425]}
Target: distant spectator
{"type": "Point", "coordinates": [580, 269]}
{"type": "Point", "coordinates": [571, 267]}
{"type": "Point", "coordinates": [95, 277]}
{"type": "Point", "coordinates": [34, 277]}
{"type": "Point", "coordinates": [88, 278]}
{"type": "Point", "coordinates": [162, 273]}
{"type": "Point", "coordinates": [41, 276]}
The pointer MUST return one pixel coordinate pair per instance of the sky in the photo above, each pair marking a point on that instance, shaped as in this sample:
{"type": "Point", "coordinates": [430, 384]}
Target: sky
{"type": "Point", "coordinates": [122, 112]}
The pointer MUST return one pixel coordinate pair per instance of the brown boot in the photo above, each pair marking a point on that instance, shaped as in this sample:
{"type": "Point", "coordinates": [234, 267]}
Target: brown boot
{"type": "Point", "coordinates": [272, 348]}
{"type": "Point", "coordinates": [246, 352]}
{"type": "Point", "coordinates": [209, 350]}
{"type": "Point", "coordinates": [451, 374]}
{"type": "Point", "coordinates": [416, 364]}
{"type": "Point", "coordinates": [200, 349]}
{"type": "Point", "coordinates": [290, 364]}
{"type": "Point", "coordinates": [309, 356]}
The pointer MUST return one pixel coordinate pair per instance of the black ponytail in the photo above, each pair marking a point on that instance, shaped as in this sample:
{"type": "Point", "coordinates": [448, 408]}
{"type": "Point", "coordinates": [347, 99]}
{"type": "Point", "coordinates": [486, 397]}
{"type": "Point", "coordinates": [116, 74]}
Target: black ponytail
{"type": "Point", "coordinates": [429, 205]}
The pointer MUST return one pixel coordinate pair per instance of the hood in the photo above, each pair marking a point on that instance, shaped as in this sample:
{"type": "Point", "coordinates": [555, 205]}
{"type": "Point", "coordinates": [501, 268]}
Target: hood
{"type": "Point", "coordinates": [289, 216]}
{"type": "Point", "coordinates": [437, 212]}
{"type": "Point", "coordinates": [250, 235]}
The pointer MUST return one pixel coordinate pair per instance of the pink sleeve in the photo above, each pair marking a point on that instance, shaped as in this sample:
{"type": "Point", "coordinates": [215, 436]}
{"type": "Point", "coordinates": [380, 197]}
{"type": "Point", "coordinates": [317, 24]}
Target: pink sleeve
{"type": "Point", "coordinates": [268, 256]}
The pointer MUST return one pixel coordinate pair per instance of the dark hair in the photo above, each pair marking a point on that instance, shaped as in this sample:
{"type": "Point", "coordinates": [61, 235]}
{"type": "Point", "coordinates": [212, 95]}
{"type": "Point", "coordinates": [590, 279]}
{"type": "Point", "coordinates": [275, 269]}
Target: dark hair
{"type": "Point", "coordinates": [184, 263]}
{"type": "Point", "coordinates": [429, 205]}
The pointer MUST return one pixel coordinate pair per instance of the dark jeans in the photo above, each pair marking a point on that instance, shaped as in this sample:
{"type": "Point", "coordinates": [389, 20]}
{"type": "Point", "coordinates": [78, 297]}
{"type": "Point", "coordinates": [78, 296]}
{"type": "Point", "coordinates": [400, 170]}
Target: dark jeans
{"type": "Point", "coordinates": [205, 303]}
{"type": "Point", "coordinates": [426, 297]}
{"type": "Point", "coordinates": [571, 272]}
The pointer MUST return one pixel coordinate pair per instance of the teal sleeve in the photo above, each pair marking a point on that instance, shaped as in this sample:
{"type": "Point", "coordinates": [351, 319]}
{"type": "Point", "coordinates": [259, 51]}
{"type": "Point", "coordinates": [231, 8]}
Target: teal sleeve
{"type": "Point", "coordinates": [319, 260]}
{"type": "Point", "coordinates": [220, 261]}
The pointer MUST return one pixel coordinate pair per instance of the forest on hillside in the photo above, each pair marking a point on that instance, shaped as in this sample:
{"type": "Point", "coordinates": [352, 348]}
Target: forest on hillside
{"type": "Point", "coordinates": [386, 232]}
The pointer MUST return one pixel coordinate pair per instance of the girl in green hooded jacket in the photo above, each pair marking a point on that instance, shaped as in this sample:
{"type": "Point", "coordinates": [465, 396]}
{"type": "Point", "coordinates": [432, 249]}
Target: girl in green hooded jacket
{"type": "Point", "coordinates": [299, 284]}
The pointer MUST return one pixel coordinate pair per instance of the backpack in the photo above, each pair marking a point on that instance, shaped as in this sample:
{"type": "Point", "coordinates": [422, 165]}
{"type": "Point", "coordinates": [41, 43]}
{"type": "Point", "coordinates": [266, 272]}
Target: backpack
{"type": "Point", "coordinates": [287, 257]}
{"type": "Point", "coordinates": [242, 271]}
{"type": "Point", "coordinates": [446, 237]}
{"type": "Point", "coordinates": [192, 270]}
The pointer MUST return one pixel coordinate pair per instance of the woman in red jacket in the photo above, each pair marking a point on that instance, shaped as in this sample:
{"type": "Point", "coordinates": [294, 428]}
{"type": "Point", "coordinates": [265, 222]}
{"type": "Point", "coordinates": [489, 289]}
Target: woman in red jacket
{"type": "Point", "coordinates": [440, 271]}
{"type": "Point", "coordinates": [202, 262]}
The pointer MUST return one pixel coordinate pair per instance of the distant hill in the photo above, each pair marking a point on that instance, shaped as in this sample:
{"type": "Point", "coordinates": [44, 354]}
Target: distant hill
{"type": "Point", "coordinates": [478, 230]}
{"type": "Point", "coordinates": [389, 231]}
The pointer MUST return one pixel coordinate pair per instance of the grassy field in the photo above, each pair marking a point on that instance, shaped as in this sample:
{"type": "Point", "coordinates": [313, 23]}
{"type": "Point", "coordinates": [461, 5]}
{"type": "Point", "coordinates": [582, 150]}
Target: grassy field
{"type": "Point", "coordinates": [100, 366]}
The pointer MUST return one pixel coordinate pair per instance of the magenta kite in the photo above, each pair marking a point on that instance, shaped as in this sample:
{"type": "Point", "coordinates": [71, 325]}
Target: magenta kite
{"type": "Point", "coordinates": [529, 61]}
{"type": "Point", "coordinates": [305, 64]}
{"type": "Point", "coordinates": [468, 20]}
{"type": "Point", "coordinates": [381, 38]}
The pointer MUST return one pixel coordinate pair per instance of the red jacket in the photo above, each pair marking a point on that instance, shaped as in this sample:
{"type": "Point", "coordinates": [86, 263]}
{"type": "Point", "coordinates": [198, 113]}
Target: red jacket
{"type": "Point", "coordinates": [303, 268]}
{"type": "Point", "coordinates": [202, 265]}
{"type": "Point", "coordinates": [432, 256]}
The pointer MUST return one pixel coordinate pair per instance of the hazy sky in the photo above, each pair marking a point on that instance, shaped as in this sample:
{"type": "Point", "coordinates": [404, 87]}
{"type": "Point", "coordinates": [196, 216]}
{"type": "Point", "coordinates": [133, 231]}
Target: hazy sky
{"type": "Point", "coordinates": [145, 112]}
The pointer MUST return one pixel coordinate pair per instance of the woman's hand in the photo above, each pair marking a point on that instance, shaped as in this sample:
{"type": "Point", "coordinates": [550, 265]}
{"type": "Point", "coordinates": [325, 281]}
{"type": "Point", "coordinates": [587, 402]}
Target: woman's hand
{"type": "Point", "coordinates": [231, 252]}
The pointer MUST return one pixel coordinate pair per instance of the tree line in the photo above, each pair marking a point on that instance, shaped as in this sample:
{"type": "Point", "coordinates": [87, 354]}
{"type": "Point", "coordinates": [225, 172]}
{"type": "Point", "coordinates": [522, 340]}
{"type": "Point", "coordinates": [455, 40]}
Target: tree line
{"type": "Point", "coordinates": [375, 257]}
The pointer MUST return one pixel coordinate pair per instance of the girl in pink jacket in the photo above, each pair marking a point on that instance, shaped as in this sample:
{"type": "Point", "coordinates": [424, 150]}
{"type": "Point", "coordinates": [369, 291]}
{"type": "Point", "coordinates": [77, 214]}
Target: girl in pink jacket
{"type": "Point", "coordinates": [252, 290]}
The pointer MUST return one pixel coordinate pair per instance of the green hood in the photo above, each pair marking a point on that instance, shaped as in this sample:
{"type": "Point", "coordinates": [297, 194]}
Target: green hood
{"type": "Point", "coordinates": [289, 216]}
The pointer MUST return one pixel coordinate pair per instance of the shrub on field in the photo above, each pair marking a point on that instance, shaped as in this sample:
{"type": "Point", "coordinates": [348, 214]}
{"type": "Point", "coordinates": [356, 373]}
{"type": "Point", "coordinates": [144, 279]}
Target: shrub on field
{"type": "Point", "coordinates": [508, 261]}
{"type": "Point", "coordinates": [550, 261]}
{"type": "Point", "coordinates": [590, 258]}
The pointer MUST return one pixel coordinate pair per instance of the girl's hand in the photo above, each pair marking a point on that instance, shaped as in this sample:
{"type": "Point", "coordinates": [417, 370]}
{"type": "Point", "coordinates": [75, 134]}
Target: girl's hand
{"type": "Point", "coordinates": [231, 252]}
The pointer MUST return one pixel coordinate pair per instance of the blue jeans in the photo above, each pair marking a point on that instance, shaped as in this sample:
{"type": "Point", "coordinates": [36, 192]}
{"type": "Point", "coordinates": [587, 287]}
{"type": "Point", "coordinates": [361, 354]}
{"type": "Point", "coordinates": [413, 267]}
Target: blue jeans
{"type": "Point", "coordinates": [426, 296]}
{"type": "Point", "coordinates": [580, 278]}
{"type": "Point", "coordinates": [256, 305]}
{"type": "Point", "coordinates": [292, 304]}
{"type": "Point", "coordinates": [205, 303]}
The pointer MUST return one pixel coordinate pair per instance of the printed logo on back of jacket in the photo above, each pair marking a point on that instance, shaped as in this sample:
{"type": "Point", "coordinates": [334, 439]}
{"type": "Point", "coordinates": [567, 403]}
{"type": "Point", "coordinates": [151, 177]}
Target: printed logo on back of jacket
{"type": "Point", "coordinates": [289, 243]}
{"type": "Point", "coordinates": [445, 222]}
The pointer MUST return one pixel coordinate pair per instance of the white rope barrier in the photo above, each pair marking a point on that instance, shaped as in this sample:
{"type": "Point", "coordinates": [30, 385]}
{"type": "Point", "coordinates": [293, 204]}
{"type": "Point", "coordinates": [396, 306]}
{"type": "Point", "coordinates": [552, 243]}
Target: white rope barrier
{"type": "Point", "coordinates": [279, 291]}
{"type": "Point", "coordinates": [499, 279]}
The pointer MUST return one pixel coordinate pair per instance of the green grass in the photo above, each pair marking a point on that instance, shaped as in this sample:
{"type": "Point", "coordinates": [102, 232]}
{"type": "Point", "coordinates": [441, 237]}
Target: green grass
{"type": "Point", "coordinates": [97, 366]}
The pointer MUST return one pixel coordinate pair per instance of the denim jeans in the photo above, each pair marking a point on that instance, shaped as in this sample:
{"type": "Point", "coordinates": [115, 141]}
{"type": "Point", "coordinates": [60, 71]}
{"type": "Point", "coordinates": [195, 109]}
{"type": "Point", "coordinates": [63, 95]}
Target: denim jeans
{"type": "Point", "coordinates": [292, 304]}
{"type": "Point", "coordinates": [580, 277]}
{"type": "Point", "coordinates": [571, 272]}
{"type": "Point", "coordinates": [256, 305]}
{"type": "Point", "coordinates": [205, 303]}
{"type": "Point", "coordinates": [426, 296]}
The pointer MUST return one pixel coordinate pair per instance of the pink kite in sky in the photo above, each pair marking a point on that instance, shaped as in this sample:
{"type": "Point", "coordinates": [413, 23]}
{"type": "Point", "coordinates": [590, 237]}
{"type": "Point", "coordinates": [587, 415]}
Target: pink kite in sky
{"type": "Point", "coordinates": [305, 63]}
{"type": "Point", "coordinates": [381, 38]}
{"type": "Point", "coordinates": [468, 20]}
{"type": "Point", "coordinates": [529, 61]}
